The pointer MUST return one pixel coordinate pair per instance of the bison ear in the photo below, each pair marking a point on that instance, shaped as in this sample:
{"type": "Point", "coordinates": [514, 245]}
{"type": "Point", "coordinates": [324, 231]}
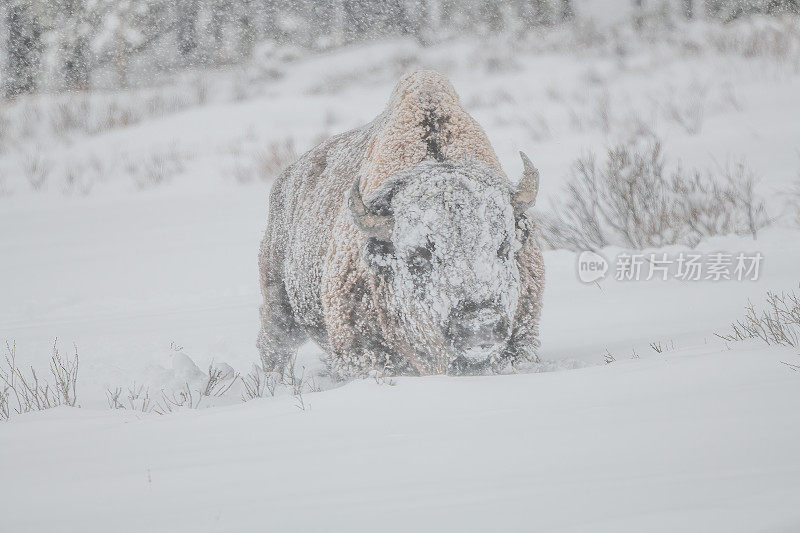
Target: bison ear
{"type": "Point", "coordinates": [525, 195]}
{"type": "Point", "coordinates": [374, 225]}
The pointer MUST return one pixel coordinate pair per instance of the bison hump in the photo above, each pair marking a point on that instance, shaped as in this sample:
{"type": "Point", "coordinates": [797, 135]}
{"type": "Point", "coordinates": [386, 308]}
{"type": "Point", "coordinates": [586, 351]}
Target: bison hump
{"type": "Point", "coordinates": [423, 120]}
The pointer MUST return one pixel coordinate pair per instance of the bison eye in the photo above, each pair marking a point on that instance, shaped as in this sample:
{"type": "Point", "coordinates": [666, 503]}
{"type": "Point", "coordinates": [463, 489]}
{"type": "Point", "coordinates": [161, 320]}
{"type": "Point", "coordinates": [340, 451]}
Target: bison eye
{"type": "Point", "coordinates": [379, 255]}
{"type": "Point", "coordinates": [505, 248]}
{"type": "Point", "coordinates": [419, 259]}
{"type": "Point", "coordinates": [379, 248]}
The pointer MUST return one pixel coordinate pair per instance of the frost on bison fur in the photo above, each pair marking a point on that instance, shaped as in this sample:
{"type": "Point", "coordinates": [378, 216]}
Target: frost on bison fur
{"type": "Point", "coordinates": [402, 247]}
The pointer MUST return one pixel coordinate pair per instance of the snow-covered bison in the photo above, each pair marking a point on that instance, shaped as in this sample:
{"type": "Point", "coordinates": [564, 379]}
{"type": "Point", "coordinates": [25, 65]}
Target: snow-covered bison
{"type": "Point", "coordinates": [401, 246]}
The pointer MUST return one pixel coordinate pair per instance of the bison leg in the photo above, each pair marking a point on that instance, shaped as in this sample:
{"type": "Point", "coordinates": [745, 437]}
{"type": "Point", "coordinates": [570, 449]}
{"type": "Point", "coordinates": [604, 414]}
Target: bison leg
{"type": "Point", "coordinates": [280, 335]}
{"type": "Point", "coordinates": [522, 347]}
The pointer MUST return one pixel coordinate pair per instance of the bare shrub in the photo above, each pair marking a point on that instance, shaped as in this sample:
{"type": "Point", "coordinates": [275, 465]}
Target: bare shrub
{"type": "Point", "coordinates": [633, 128]}
{"type": "Point", "coordinates": [219, 380]}
{"type": "Point", "coordinates": [602, 112]}
{"type": "Point", "coordinates": [576, 120]}
{"type": "Point", "coordinates": [729, 98]}
{"type": "Point", "coordinates": [538, 128]}
{"type": "Point", "coordinates": [381, 378]}
{"type": "Point", "coordinates": [794, 202]}
{"type": "Point", "coordinates": [29, 119]}
{"type": "Point", "coordinates": [173, 400]}
{"type": "Point", "coordinates": [777, 324]}
{"type": "Point", "coordinates": [332, 83]}
{"type": "Point", "coordinates": [718, 205]}
{"type": "Point", "coordinates": [69, 114]}
{"type": "Point", "coordinates": [275, 158]}
{"type": "Point", "coordinates": [5, 412]}
{"type": "Point", "coordinates": [594, 77]}
{"type": "Point", "coordinates": [609, 357]}
{"type": "Point", "coordinates": [72, 175]}
{"type": "Point", "coordinates": [65, 376]}
{"type": "Point", "coordinates": [242, 173]}
{"type": "Point", "coordinates": [740, 193]}
{"type": "Point", "coordinates": [262, 163]}
{"type": "Point", "coordinates": [660, 347]}
{"type": "Point", "coordinates": [200, 88]}
{"type": "Point", "coordinates": [139, 398]}
{"type": "Point", "coordinates": [114, 398]}
{"type": "Point", "coordinates": [118, 115]}
{"type": "Point", "coordinates": [776, 38]}
{"type": "Point", "coordinates": [491, 99]}
{"type": "Point", "coordinates": [657, 347]}
{"type": "Point", "coordinates": [298, 382]}
{"type": "Point", "coordinates": [97, 112]}
{"type": "Point", "coordinates": [81, 177]}
{"type": "Point", "coordinates": [216, 383]}
{"type": "Point", "coordinates": [136, 398]}
{"type": "Point", "coordinates": [633, 201]}
{"type": "Point", "coordinates": [23, 392]}
{"type": "Point", "coordinates": [161, 103]}
{"type": "Point", "coordinates": [241, 86]}
{"type": "Point", "coordinates": [158, 168]}
{"type": "Point", "coordinates": [687, 110]}
{"type": "Point", "coordinates": [36, 168]}
{"type": "Point", "coordinates": [259, 384]}
{"type": "Point", "coordinates": [498, 61]}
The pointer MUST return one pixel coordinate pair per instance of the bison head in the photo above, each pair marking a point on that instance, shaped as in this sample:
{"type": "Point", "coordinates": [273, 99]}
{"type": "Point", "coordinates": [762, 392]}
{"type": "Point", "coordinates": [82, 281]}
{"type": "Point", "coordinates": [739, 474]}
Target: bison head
{"type": "Point", "coordinates": [442, 238]}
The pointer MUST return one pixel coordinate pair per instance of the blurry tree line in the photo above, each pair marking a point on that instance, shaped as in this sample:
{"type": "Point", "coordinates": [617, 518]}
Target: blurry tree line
{"type": "Point", "coordinates": [69, 44]}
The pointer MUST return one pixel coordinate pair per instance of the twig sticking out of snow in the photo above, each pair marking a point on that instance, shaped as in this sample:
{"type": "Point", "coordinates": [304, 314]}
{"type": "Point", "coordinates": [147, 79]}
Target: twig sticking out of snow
{"type": "Point", "coordinates": [217, 376]}
{"type": "Point", "coordinates": [796, 368]}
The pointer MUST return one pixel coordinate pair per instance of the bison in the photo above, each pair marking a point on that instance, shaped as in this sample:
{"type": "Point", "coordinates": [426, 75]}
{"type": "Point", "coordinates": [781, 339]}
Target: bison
{"type": "Point", "coordinates": [402, 247]}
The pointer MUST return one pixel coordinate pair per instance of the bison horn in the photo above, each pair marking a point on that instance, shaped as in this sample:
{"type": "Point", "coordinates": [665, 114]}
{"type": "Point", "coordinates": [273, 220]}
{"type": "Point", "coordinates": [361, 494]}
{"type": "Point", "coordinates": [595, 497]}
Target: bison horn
{"type": "Point", "coordinates": [378, 226]}
{"type": "Point", "coordinates": [528, 187]}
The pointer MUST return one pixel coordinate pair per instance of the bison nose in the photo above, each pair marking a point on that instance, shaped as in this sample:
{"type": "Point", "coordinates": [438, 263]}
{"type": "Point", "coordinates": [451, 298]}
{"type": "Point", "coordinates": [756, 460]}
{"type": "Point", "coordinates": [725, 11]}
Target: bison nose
{"type": "Point", "coordinates": [478, 327]}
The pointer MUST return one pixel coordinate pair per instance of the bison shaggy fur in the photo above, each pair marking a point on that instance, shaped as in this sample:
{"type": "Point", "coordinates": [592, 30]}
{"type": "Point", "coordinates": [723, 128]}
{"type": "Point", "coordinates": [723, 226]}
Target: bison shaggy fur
{"type": "Point", "coordinates": [402, 247]}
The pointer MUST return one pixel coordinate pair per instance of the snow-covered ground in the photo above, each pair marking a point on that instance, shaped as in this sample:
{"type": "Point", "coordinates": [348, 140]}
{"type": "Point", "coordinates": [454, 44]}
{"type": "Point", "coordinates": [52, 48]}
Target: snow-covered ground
{"type": "Point", "coordinates": [698, 440]}
{"type": "Point", "coordinates": [146, 261]}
